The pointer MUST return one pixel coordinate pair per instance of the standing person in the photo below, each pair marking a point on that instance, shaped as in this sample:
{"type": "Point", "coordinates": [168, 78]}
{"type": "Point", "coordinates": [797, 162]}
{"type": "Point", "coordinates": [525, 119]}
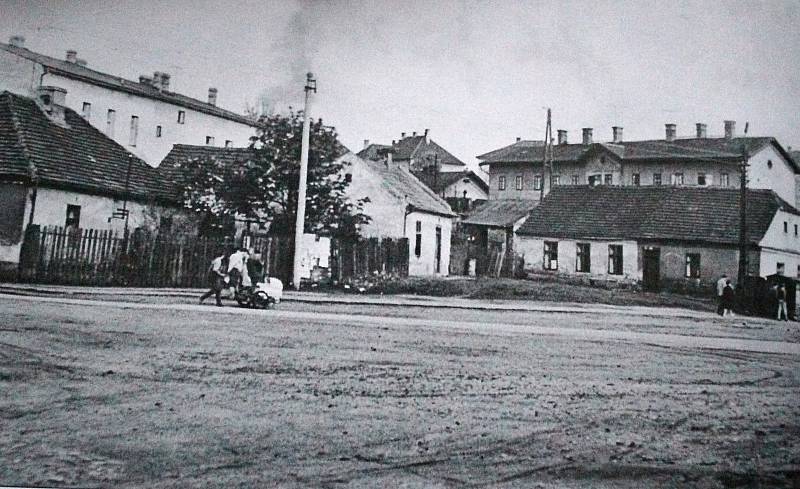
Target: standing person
{"type": "Point", "coordinates": [728, 299]}
{"type": "Point", "coordinates": [216, 277]}
{"type": "Point", "coordinates": [782, 303]}
{"type": "Point", "coordinates": [237, 268]}
{"type": "Point", "coordinates": [720, 288]}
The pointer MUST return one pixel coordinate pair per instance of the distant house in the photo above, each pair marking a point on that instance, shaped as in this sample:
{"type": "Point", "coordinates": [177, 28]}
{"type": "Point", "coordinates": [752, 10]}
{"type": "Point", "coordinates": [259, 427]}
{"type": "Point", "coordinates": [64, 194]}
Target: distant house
{"type": "Point", "coordinates": [57, 169]}
{"type": "Point", "coordinates": [463, 190]}
{"type": "Point", "coordinates": [147, 117]}
{"type": "Point", "coordinates": [401, 206]}
{"type": "Point", "coordinates": [515, 171]}
{"type": "Point", "coordinates": [415, 153]}
{"type": "Point", "coordinates": [659, 236]}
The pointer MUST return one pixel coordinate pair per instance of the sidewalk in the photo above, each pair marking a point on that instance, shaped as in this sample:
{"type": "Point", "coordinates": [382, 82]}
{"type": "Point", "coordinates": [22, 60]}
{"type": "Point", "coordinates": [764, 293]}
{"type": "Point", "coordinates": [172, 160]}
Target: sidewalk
{"type": "Point", "coordinates": [373, 300]}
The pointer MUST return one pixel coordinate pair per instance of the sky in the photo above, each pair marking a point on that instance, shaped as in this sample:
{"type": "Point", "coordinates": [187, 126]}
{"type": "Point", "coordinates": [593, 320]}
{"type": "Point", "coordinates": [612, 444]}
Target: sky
{"type": "Point", "coordinates": [477, 74]}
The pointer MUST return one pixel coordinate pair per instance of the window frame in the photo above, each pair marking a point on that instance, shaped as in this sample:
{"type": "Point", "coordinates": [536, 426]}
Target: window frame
{"type": "Point", "coordinates": [636, 179]}
{"type": "Point", "coordinates": [210, 140]}
{"type": "Point", "coordinates": [86, 110]}
{"type": "Point", "coordinates": [77, 219]}
{"type": "Point", "coordinates": [657, 180]}
{"type": "Point", "coordinates": [133, 137]}
{"type": "Point", "coordinates": [555, 180]}
{"type": "Point", "coordinates": [677, 179]}
{"type": "Point", "coordinates": [608, 179]}
{"type": "Point", "coordinates": [537, 182]}
{"type": "Point", "coordinates": [692, 265]}
{"type": "Point", "coordinates": [724, 179]}
{"type": "Point", "coordinates": [111, 122]}
{"type": "Point", "coordinates": [615, 260]}
{"type": "Point", "coordinates": [418, 239]}
{"type": "Point", "coordinates": [158, 131]}
{"type": "Point", "coordinates": [181, 117]}
{"type": "Point", "coordinates": [518, 182]}
{"type": "Point", "coordinates": [550, 255]}
{"type": "Point", "coordinates": [576, 179]}
{"type": "Point", "coordinates": [702, 176]}
{"type": "Point", "coordinates": [501, 182]}
{"type": "Point", "coordinates": [583, 256]}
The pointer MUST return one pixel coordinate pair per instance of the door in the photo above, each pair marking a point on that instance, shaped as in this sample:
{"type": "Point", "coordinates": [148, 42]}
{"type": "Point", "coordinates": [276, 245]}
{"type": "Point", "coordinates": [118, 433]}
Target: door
{"type": "Point", "coordinates": [651, 274]}
{"type": "Point", "coordinates": [437, 264]}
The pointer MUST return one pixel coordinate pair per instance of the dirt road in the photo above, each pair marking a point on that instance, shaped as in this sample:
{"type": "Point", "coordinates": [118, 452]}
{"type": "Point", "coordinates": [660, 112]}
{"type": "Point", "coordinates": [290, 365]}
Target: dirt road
{"type": "Point", "coordinates": [176, 396]}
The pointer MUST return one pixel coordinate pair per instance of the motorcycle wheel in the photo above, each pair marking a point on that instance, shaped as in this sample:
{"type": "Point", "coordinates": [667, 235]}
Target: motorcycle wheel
{"type": "Point", "coordinates": [261, 300]}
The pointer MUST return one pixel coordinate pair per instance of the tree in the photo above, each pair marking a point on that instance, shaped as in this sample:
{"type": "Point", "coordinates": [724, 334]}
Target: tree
{"type": "Point", "coordinates": [261, 183]}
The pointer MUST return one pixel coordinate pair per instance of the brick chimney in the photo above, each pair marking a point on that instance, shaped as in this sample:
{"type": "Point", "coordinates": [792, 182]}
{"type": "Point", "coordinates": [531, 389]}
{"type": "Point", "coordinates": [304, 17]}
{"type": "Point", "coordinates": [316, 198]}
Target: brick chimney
{"type": "Point", "coordinates": [145, 80]}
{"type": "Point", "coordinates": [519, 139]}
{"type": "Point", "coordinates": [212, 96]}
{"type": "Point", "coordinates": [165, 82]}
{"type": "Point", "coordinates": [701, 130]}
{"type": "Point", "coordinates": [616, 132]}
{"type": "Point", "coordinates": [17, 41]}
{"type": "Point", "coordinates": [402, 135]}
{"type": "Point", "coordinates": [72, 56]}
{"type": "Point", "coordinates": [730, 129]}
{"type": "Point", "coordinates": [587, 135]}
{"type": "Point", "coordinates": [562, 136]}
{"type": "Point", "coordinates": [671, 131]}
{"type": "Point", "coordinates": [52, 100]}
{"type": "Point", "coordinates": [427, 138]}
{"type": "Point", "coordinates": [414, 134]}
{"type": "Point", "coordinates": [366, 143]}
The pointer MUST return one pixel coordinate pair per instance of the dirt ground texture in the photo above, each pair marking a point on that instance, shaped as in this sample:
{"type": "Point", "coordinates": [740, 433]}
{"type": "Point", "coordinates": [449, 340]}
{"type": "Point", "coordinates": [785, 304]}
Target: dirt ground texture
{"type": "Point", "coordinates": [100, 395]}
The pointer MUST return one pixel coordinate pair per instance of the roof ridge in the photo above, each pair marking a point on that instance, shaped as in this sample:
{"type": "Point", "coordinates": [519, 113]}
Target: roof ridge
{"type": "Point", "coordinates": [425, 188]}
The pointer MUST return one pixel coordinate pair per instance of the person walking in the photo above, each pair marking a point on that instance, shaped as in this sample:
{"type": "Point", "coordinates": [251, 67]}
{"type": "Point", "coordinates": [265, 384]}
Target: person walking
{"type": "Point", "coordinates": [781, 295]}
{"type": "Point", "coordinates": [720, 288]}
{"type": "Point", "coordinates": [216, 277]}
{"type": "Point", "coordinates": [237, 268]}
{"type": "Point", "coordinates": [728, 299]}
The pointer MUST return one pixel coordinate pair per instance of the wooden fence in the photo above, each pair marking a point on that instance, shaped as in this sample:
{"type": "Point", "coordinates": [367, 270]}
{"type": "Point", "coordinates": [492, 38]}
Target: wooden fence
{"type": "Point", "coordinates": [369, 256]}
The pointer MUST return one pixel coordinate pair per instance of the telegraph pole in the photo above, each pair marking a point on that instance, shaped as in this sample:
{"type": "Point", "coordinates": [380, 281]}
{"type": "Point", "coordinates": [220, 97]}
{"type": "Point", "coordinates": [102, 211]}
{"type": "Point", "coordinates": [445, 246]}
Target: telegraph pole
{"type": "Point", "coordinates": [548, 136]}
{"type": "Point", "coordinates": [299, 227]}
{"type": "Point", "coordinates": [743, 215]}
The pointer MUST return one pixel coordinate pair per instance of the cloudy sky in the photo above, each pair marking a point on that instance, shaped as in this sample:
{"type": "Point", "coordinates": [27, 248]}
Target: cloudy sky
{"type": "Point", "coordinates": [477, 74]}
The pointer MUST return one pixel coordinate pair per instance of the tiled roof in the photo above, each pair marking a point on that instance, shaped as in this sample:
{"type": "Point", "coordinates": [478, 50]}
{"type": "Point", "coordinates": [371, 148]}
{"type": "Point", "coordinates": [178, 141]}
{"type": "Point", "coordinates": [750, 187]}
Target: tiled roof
{"type": "Point", "coordinates": [708, 215]}
{"type": "Point", "coordinates": [373, 151]}
{"type": "Point", "coordinates": [170, 168]}
{"type": "Point", "coordinates": [76, 157]}
{"type": "Point", "coordinates": [500, 212]}
{"type": "Point", "coordinates": [403, 185]}
{"type": "Point", "coordinates": [412, 147]}
{"type": "Point", "coordinates": [76, 71]}
{"type": "Point", "coordinates": [721, 149]}
{"type": "Point", "coordinates": [440, 181]}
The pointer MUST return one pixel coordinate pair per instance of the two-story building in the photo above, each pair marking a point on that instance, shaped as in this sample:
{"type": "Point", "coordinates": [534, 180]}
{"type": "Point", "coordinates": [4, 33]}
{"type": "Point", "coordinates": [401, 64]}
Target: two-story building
{"type": "Point", "coordinates": [146, 116]}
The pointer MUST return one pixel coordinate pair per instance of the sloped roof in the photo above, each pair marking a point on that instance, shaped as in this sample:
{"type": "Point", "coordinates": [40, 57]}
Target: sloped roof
{"type": "Point", "coordinates": [76, 157]}
{"type": "Point", "coordinates": [500, 212]}
{"type": "Point", "coordinates": [76, 71]}
{"type": "Point", "coordinates": [373, 151]}
{"type": "Point", "coordinates": [411, 147]}
{"type": "Point", "coordinates": [721, 149]}
{"type": "Point", "coordinates": [170, 167]}
{"type": "Point", "coordinates": [438, 182]}
{"type": "Point", "coordinates": [400, 183]}
{"type": "Point", "coordinates": [708, 215]}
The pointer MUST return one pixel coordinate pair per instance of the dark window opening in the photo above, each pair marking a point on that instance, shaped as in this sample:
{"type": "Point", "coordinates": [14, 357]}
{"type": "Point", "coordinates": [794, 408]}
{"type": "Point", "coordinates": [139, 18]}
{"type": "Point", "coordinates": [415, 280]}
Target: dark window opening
{"type": "Point", "coordinates": [656, 179]}
{"type": "Point", "coordinates": [537, 182]}
{"type": "Point", "coordinates": [693, 265]}
{"type": "Point", "coordinates": [608, 179]}
{"type": "Point", "coordinates": [158, 131]}
{"type": "Point", "coordinates": [635, 180]}
{"type": "Point", "coordinates": [551, 255]}
{"type": "Point", "coordinates": [518, 182]}
{"type": "Point", "coordinates": [583, 258]}
{"type": "Point", "coordinates": [73, 220]}
{"type": "Point", "coordinates": [348, 177]}
{"type": "Point", "coordinates": [501, 182]}
{"type": "Point", "coordinates": [615, 259]}
{"type": "Point", "coordinates": [181, 117]}
{"type": "Point", "coordinates": [418, 240]}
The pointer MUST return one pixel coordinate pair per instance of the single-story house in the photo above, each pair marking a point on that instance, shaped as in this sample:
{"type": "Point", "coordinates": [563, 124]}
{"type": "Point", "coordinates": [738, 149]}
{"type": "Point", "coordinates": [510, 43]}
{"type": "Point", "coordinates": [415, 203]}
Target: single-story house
{"type": "Point", "coordinates": [463, 190]}
{"type": "Point", "coordinates": [660, 236]}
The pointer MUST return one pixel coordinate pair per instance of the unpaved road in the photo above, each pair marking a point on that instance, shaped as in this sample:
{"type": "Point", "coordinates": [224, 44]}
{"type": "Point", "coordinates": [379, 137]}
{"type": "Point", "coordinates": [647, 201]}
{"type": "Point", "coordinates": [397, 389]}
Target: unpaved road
{"type": "Point", "coordinates": [103, 394]}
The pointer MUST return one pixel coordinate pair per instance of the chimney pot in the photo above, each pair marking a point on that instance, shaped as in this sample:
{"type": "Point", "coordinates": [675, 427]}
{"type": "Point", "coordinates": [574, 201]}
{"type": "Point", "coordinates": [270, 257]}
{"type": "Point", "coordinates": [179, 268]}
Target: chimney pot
{"type": "Point", "coordinates": [145, 80]}
{"type": "Point", "coordinates": [72, 56]}
{"type": "Point", "coordinates": [587, 135]}
{"type": "Point", "coordinates": [519, 139]}
{"type": "Point", "coordinates": [402, 135]}
{"type": "Point", "coordinates": [730, 129]}
{"type": "Point", "coordinates": [414, 134]}
{"type": "Point", "coordinates": [366, 143]}
{"type": "Point", "coordinates": [670, 131]}
{"type": "Point", "coordinates": [427, 139]}
{"type": "Point", "coordinates": [212, 96]}
{"type": "Point", "coordinates": [562, 136]}
{"type": "Point", "coordinates": [616, 132]}
{"type": "Point", "coordinates": [17, 41]}
{"type": "Point", "coordinates": [165, 81]}
{"type": "Point", "coordinates": [53, 100]}
{"type": "Point", "coordinates": [701, 130]}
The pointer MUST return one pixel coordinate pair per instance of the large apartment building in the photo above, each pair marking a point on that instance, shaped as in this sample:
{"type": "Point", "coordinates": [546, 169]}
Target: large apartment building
{"type": "Point", "coordinates": [145, 116]}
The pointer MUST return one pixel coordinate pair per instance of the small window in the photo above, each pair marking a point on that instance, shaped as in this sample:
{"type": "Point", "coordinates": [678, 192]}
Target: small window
{"type": "Point", "coordinates": [798, 271]}
{"type": "Point", "coordinates": [158, 131]}
{"type": "Point", "coordinates": [86, 112]}
{"type": "Point", "coordinates": [595, 180]}
{"type": "Point", "coordinates": [635, 180]}
{"type": "Point", "coordinates": [608, 179]}
{"type": "Point", "coordinates": [111, 118]}
{"type": "Point", "coordinates": [134, 130]}
{"type": "Point", "coordinates": [181, 117]}
{"type": "Point", "coordinates": [780, 268]}
{"type": "Point", "coordinates": [555, 180]}
{"type": "Point", "coordinates": [656, 179]}
{"type": "Point", "coordinates": [209, 140]}
{"type": "Point", "coordinates": [348, 177]}
{"type": "Point", "coordinates": [724, 180]}
{"type": "Point", "coordinates": [701, 179]}
{"type": "Point", "coordinates": [795, 229]}
{"type": "Point", "coordinates": [575, 179]}
{"type": "Point", "coordinates": [551, 255]}
{"type": "Point", "coordinates": [583, 260]}
{"type": "Point", "coordinates": [769, 164]}
{"type": "Point", "coordinates": [693, 265]}
{"type": "Point", "coordinates": [501, 182]}
{"type": "Point", "coordinates": [785, 227]}
{"type": "Point", "coordinates": [73, 220]}
{"type": "Point", "coordinates": [537, 182]}
{"type": "Point", "coordinates": [228, 143]}
{"type": "Point", "coordinates": [418, 241]}
{"type": "Point", "coordinates": [615, 259]}
{"type": "Point", "coordinates": [518, 182]}
{"type": "Point", "coordinates": [677, 178]}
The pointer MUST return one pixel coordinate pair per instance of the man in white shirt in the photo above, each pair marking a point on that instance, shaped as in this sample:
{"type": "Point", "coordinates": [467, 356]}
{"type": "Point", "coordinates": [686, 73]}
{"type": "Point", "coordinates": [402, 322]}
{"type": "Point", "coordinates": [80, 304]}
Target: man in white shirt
{"type": "Point", "coordinates": [720, 289]}
{"type": "Point", "coordinates": [237, 267]}
{"type": "Point", "coordinates": [216, 277]}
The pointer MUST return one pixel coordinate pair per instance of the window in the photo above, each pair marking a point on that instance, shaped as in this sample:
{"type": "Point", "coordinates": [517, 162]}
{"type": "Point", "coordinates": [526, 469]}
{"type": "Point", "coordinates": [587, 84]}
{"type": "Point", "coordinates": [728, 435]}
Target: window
{"type": "Point", "coordinates": [608, 179]}
{"type": "Point", "coordinates": [635, 180]}
{"type": "Point", "coordinates": [583, 257]}
{"type": "Point", "coordinates": [769, 164]}
{"type": "Point", "coordinates": [348, 177]}
{"type": "Point", "coordinates": [575, 179]}
{"type": "Point", "coordinates": [785, 227]}
{"type": "Point", "coordinates": [111, 118]}
{"type": "Point", "coordinates": [158, 131]}
{"type": "Point", "coordinates": [501, 182]}
{"type": "Point", "coordinates": [656, 179]}
{"type": "Point", "coordinates": [677, 179]}
{"type": "Point", "coordinates": [724, 179]}
{"type": "Point", "coordinates": [795, 229]}
{"type": "Point", "coordinates": [518, 182]}
{"type": "Point", "coordinates": [418, 241]}
{"type": "Point", "coordinates": [595, 180]}
{"type": "Point", "coordinates": [73, 220]}
{"type": "Point", "coordinates": [798, 271]}
{"type": "Point", "coordinates": [86, 112]}
{"type": "Point", "coordinates": [693, 265]}
{"type": "Point", "coordinates": [701, 178]}
{"type": "Point", "coordinates": [228, 143]}
{"type": "Point", "coordinates": [615, 259]}
{"type": "Point", "coordinates": [780, 268]}
{"type": "Point", "coordinates": [537, 182]}
{"type": "Point", "coordinates": [555, 180]}
{"type": "Point", "coordinates": [209, 140]}
{"type": "Point", "coordinates": [551, 255]}
{"type": "Point", "coordinates": [181, 117]}
{"type": "Point", "coordinates": [134, 130]}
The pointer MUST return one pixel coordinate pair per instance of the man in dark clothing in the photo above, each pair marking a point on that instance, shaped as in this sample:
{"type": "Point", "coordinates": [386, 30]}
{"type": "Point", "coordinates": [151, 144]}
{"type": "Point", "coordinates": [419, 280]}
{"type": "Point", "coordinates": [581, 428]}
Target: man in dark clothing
{"type": "Point", "coordinates": [782, 303]}
{"type": "Point", "coordinates": [216, 277]}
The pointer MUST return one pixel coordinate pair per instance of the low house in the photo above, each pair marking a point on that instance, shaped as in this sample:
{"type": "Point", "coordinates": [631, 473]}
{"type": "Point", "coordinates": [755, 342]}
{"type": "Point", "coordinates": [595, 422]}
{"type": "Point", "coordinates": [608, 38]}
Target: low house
{"type": "Point", "coordinates": [57, 169]}
{"type": "Point", "coordinates": [675, 237]}
{"type": "Point", "coordinates": [463, 190]}
{"type": "Point", "coordinates": [415, 153]}
{"type": "Point", "coordinates": [401, 206]}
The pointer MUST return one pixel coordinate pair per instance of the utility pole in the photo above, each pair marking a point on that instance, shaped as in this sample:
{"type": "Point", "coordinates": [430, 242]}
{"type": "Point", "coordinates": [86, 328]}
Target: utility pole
{"type": "Point", "coordinates": [548, 137]}
{"type": "Point", "coordinates": [743, 245]}
{"type": "Point", "coordinates": [299, 227]}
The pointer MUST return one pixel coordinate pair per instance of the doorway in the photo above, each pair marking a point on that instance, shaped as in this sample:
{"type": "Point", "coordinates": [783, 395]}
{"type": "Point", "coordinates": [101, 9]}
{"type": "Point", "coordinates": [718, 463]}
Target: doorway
{"type": "Point", "coordinates": [437, 265]}
{"type": "Point", "coordinates": [651, 273]}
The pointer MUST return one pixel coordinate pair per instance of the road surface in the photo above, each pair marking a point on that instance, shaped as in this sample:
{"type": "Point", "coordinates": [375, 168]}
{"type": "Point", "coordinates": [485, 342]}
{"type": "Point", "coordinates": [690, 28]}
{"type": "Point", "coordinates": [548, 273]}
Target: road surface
{"type": "Point", "coordinates": [177, 395]}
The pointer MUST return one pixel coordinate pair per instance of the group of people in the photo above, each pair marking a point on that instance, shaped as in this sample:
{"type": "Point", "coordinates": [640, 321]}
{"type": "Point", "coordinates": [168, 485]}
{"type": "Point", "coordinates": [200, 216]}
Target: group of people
{"type": "Point", "coordinates": [232, 271]}
{"type": "Point", "coordinates": [726, 297]}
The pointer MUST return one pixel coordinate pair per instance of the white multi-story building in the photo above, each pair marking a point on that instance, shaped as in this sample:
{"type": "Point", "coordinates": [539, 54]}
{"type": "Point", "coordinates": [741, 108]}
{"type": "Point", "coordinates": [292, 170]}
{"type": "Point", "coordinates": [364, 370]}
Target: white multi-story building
{"type": "Point", "coordinates": [143, 116]}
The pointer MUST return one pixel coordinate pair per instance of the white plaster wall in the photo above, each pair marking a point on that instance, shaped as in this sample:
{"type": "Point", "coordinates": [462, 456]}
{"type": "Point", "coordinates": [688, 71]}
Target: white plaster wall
{"type": "Point", "coordinates": [51, 210]}
{"type": "Point", "coordinates": [531, 249]}
{"type": "Point", "coordinates": [424, 264]}
{"type": "Point", "coordinates": [18, 75]}
{"type": "Point", "coordinates": [473, 190]}
{"type": "Point", "coordinates": [780, 178]}
{"type": "Point", "coordinates": [781, 247]}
